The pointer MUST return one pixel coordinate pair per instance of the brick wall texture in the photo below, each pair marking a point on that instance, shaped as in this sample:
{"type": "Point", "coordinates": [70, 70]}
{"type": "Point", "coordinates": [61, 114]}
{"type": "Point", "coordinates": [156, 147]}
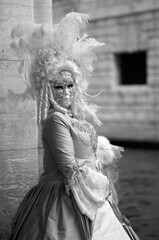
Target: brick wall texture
{"type": "Point", "coordinates": [127, 112]}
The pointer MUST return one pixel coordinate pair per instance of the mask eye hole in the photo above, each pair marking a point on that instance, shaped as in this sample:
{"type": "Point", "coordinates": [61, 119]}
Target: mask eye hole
{"type": "Point", "coordinates": [58, 87]}
{"type": "Point", "coordinates": [70, 85]}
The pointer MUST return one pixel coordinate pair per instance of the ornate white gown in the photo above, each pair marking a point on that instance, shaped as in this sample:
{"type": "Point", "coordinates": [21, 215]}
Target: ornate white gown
{"type": "Point", "coordinates": [69, 202]}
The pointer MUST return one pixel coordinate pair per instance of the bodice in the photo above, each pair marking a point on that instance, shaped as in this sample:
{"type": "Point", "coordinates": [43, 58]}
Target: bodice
{"type": "Point", "coordinates": [79, 140]}
{"type": "Point", "coordinates": [87, 128]}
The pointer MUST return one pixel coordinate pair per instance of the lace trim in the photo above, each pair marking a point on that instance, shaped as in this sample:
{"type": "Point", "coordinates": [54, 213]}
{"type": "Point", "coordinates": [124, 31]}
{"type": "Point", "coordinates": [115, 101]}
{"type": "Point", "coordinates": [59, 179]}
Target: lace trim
{"type": "Point", "coordinates": [72, 180]}
{"type": "Point", "coordinates": [90, 191]}
{"type": "Point", "coordinates": [74, 176]}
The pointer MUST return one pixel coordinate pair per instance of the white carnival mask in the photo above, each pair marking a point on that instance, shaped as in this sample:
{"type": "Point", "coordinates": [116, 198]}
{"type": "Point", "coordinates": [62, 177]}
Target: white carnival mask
{"type": "Point", "coordinates": [63, 88]}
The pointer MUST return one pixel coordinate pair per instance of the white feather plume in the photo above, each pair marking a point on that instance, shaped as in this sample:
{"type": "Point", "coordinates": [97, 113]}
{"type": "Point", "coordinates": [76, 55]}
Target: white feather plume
{"type": "Point", "coordinates": [83, 52]}
{"type": "Point", "coordinates": [90, 112]}
{"type": "Point", "coordinates": [31, 37]}
{"type": "Point", "coordinates": [23, 29]}
{"type": "Point", "coordinates": [69, 29]}
{"type": "Point", "coordinates": [66, 39]}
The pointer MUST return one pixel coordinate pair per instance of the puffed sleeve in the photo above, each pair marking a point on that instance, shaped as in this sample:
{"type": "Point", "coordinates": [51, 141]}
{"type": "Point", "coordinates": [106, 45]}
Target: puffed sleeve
{"type": "Point", "coordinates": [57, 134]}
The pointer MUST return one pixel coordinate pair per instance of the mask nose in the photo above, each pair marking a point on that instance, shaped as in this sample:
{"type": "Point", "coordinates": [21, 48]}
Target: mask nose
{"type": "Point", "coordinates": [66, 90]}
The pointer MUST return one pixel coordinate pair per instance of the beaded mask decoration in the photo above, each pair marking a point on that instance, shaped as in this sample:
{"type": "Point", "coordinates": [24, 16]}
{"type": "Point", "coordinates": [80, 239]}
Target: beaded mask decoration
{"type": "Point", "coordinates": [50, 58]}
{"type": "Point", "coordinates": [63, 89]}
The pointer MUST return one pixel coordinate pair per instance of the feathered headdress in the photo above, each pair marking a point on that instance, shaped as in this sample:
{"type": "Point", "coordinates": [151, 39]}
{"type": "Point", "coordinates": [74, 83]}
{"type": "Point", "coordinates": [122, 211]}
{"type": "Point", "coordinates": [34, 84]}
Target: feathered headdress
{"type": "Point", "coordinates": [45, 50]}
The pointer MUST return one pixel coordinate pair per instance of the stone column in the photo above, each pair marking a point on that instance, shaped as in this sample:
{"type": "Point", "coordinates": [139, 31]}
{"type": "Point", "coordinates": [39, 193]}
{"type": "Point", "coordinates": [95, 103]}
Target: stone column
{"type": "Point", "coordinates": [43, 11]}
{"type": "Point", "coordinates": [18, 131]}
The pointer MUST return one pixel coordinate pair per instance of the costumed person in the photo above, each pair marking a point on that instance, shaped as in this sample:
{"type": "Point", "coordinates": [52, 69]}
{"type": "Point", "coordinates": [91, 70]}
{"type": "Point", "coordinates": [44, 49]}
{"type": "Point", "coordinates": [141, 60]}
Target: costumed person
{"type": "Point", "coordinates": [73, 198]}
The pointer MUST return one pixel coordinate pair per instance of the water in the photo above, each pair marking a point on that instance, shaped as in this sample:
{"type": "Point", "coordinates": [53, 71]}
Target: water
{"type": "Point", "coordinates": [138, 189]}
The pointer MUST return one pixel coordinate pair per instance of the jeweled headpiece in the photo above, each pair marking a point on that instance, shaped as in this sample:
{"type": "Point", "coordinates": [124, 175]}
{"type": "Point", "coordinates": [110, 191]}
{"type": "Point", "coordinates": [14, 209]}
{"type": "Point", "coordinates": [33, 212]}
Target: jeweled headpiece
{"type": "Point", "coordinates": [45, 51]}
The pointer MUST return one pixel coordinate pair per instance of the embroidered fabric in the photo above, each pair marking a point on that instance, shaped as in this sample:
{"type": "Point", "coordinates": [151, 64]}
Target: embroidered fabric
{"type": "Point", "coordinates": [84, 126]}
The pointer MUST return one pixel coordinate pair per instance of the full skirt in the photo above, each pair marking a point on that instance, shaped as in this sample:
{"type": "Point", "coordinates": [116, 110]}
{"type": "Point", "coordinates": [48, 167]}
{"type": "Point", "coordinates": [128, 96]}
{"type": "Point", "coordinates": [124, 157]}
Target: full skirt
{"type": "Point", "coordinates": [48, 213]}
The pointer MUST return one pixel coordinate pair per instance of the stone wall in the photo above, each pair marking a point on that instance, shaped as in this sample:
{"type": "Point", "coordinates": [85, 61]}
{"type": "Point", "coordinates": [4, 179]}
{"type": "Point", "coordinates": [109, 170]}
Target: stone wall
{"type": "Point", "coordinates": [19, 166]}
{"type": "Point", "coordinates": [18, 141]}
{"type": "Point", "coordinates": [127, 112]}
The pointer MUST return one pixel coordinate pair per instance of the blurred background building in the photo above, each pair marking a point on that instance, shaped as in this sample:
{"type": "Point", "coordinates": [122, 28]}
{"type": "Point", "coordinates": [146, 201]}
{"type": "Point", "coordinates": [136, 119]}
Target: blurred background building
{"type": "Point", "coordinates": [126, 73]}
{"type": "Point", "coordinates": [127, 68]}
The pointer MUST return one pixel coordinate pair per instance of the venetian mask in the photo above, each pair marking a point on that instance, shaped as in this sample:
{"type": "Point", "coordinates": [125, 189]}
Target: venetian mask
{"type": "Point", "coordinates": [63, 88]}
